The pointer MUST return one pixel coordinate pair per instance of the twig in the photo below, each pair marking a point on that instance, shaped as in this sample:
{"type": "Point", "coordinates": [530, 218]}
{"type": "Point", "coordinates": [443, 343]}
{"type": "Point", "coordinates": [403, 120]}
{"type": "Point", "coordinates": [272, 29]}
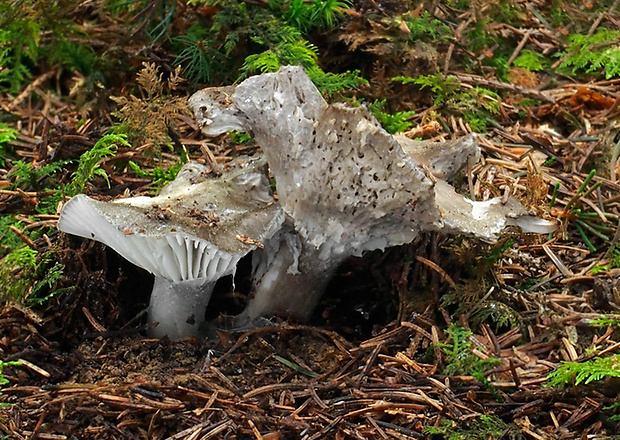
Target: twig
{"type": "Point", "coordinates": [600, 17]}
{"type": "Point", "coordinates": [30, 87]}
{"type": "Point", "coordinates": [23, 237]}
{"type": "Point", "coordinates": [371, 360]}
{"type": "Point", "coordinates": [614, 160]}
{"type": "Point", "coordinates": [519, 47]}
{"type": "Point", "coordinates": [437, 269]}
{"type": "Point", "coordinates": [484, 82]}
{"type": "Point", "coordinates": [34, 368]}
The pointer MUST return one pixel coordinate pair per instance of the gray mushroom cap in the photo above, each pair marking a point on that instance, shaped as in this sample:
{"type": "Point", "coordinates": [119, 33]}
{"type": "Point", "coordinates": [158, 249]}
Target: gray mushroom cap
{"type": "Point", "coordinates": [197, 227]}
{"type": "Point", "coordinates": [346, 184]}
{"type": "Point", "coordinates": [190, 235]}
{"type": "Point", "coordinates": [443, 159]}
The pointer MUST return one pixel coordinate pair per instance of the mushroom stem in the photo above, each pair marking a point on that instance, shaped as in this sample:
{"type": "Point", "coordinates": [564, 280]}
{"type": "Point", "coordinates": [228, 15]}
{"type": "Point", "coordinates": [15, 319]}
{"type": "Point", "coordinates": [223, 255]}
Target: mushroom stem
{"type": "Point", "coordinates": [289, 279]}
{"type": "Point", "coordinates": [179, 307]}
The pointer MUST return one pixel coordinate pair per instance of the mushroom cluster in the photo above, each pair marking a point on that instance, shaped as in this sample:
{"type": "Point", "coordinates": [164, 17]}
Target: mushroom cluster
{"type": "Point", "coordinates": [344, 185]}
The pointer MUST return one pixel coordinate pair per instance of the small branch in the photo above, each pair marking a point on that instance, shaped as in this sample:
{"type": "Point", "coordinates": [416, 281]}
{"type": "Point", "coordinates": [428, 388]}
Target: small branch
{"type": "Point", "coordinates": [519, 47]}
{"type": "Point", "coordinates": [23, 237]}
{"type": "Point", "coordinates": [599, 19]}
{"type": "Point", "coordinates": [484, 82]}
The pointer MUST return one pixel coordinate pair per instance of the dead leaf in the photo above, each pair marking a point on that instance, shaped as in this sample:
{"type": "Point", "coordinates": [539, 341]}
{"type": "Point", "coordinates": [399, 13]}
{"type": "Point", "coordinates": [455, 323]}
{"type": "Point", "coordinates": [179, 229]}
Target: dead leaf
{"type": "Point", "coordinates": [590, 99]}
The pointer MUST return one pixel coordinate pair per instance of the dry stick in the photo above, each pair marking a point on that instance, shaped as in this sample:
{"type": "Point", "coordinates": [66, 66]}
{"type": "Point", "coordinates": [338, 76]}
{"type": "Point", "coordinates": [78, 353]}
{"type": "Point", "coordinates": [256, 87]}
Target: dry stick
{"type": "Point", "coordinates": [613, 243]}
{"type": "Point", "coordinates": [29, 88]}
{"type": "Point", "coordinates": [369, 363]}
{"type": "Point", "coordinates": [255, 430]}
{"type": "Point", "coordinates": [380, 339]}
{"type": "Point", "coordinates": [446, 66]}
{"type": "Point", "coordinates": [402, 289]}
{"type": "Point", "coordinates": [188, 431]}
{"type": "Point", "coordinates": [275, 329]}
{"type": "Point", "coordinates": [515, 374]}
{"type": "Point", "coordinates": [316, 398]}
{"type": "Point", "coordinates": [399, 429]}
{"type": "Point", "coordinates": [96, 325]}
{"type": "Point", "coordinates": [598, 21]}
{"type": "Point", "coordinates": [519, 47]}
{"type": "Point", "coordinates": [377, 428]}
{"type": "Point", "coordinates": [274, 387]}
{"type": "Point", "coordinates": [557, 262]}
{"type": "Point", "coordinates": [34, 368]}
{"type": "Point", "coordinates": [229, 383]}
{"type": "Point", "coordinates": [484, 82]}
{"type": "Point", "coordinates": [437, 269]}
{"type": "Point", "coordinates": [204, 147]}
{"type": "Point", "coordinates": [385, 406]}
{"type": "Point", "coordinates": [23, 237]}
{"type": "Point", "coordinates": [322, 432]}
{"type": "Point", "coordinates": [419, 330]}
{"type": "Point", "coordinates": [614, 159]}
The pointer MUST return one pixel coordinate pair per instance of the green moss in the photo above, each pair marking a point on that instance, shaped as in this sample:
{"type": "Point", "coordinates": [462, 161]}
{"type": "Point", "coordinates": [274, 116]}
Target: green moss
{"type": "Point", "coordinates": [428, 28]}
{"type": "Point", "coordinates": [593, 53]}
{"type": "Point", "coordinates": [614, 262]}
{"type": "Point", "coordinates": [16, 272]}
{"type": "Point", "coordinates": [459, 357]}
{"type": "Point", "coordinates": [392, 122]}
{"type": "Point", "coordinates": [585, 372]}
{"type": "Point", "coordinates": [483, 428]}
{"type": "Point", "coordinates": [529, 60]}
{"type": "Point", "coordinates": [89, 164]}
{"type": "Point", "coordinates": [19, 44]}
{"type": "Point", "coordinates": [29, 276]}
{"type": "Point", "coordinates": [7, 135]}
{"type": "Point", "coordinates": [160, 176]}
{"type": "Point", "coordinates": [306, 15]}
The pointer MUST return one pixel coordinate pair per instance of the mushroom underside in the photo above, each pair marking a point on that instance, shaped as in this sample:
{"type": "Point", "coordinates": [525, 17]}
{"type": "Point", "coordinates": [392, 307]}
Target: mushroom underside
{"type": "Point", "coordinates": [194, 233]}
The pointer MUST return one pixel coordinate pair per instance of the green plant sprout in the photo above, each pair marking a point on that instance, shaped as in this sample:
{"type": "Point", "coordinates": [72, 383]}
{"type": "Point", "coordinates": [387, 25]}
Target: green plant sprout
{"type": "Point", "coordinates": [484, 428]}
{"type": "Point", "coordinates": [427, 27]}
{"type": "Point", "coordinates": [201, 61]}
{"type": "Point", "coordinates": [301, 53]}
{"type": "Point", "coordinates": [585, 372]}
{"type": "Point", "coordinates": [276, 31]}
{"type": "Point", "coordinates": [3, 365]}
{"type": "Point", "coordinates": [88, 165]}
{"type": "Point", "coordinates": [613, 261]}
{"type": "Point", "coordinates": [585, 221]}
{"type": "Point", "coordinates": [160, 176]}
{"type": "Point", "coordinates": [530, 60]}
{"type": "Point", "coordinates": [240, 137]}
{"type": "Point", "coordinates": [152, 17]}
{"type": "Point", "coordinates": [26, 176]}
{"type": "Point", "coordinates": [497, 312]}
{"type": "Point", "coordinates": [285, 53]}
{"type": "Point", "coordinates": [72, 56]}
{"type": "Point", "coordinates": [606, 321]}
{"type": "Point", "coordinates": [19, 46]}
{"type": "Point", "coordinates": [7, 135]}
{"type": "Point", "coordinates": [16, 271]}
{"type": "Point", "coordinates": [593, 53]}
{"type": "Point", "coordinates": [392, 122]}
{"type": "Point", "coordinates": [459, 356]}
{"type": "Point", "coordinates": [5, 381]}
{"type": "Point", "coordinates": [471, 295]}
{"type": "Point", "coordinates": [477, 105]}
{"type": "Point", "coordinates": [306, 15]}
{"type": "Point", "coordinates": [31, 277]}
